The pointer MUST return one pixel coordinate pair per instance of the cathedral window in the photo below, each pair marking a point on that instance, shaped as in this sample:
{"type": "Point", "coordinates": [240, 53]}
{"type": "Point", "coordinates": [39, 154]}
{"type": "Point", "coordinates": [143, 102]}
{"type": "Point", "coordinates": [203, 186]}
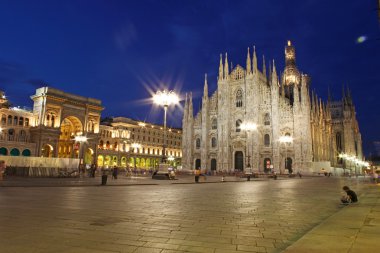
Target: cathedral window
{"type": "Point", "coordinates": [267, 119]}
{"type": "Point", "coordinates": [338, 139]}
{"type": "Point", "coordinates": [197, 143]}
{"type": "Point", "coordinates": [239, 98]}
{"type": "Point", "coordinates": [266, 140]}
{"type": "Point", "coordinates": [214, 124]}
{"type": "Point", "coordinates": [238, 125]}
{"type": "Point", "coordinates": [213, 142]}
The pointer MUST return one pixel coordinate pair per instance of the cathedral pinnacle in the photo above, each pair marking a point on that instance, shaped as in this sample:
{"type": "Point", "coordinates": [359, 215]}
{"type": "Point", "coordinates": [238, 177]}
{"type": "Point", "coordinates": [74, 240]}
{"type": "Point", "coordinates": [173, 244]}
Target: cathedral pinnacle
{"type": "Point", "coordinates": [226, 71]}
{"type": "Point", "coordinates": [221, 67]}
{"type": "Point", "coordinates": [248, 62]}
{"type": "Point", "coordinates": [254, 59]}
{"type": "Point", "coordinates": [205, 88]}
{"type": "Point", "coordinates": [264, 67]}
{"type": "Point", "coordinates": [274, 73]}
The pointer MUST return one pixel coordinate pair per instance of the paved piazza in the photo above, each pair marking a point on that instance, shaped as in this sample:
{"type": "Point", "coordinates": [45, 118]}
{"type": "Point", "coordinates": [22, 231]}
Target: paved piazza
{"type": "Point", "coordinates": [255, 216]}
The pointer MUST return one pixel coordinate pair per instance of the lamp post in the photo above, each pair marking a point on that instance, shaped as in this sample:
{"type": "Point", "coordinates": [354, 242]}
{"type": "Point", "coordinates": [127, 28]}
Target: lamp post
{"type": "Point", "coordinates": [165, 98]}
{"type": "Point", "coordinates": [81, 139]}
{"type": "Point", "coordinates": [286, 139]}
{"type": "Point", "coordinates": [249, 127]}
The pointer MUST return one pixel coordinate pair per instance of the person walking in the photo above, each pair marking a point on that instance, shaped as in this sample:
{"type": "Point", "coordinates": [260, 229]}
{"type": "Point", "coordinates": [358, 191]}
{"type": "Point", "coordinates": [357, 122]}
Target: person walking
{"type": "Point", "coordinates": [115, 172]}
{"type": "Point", "coordinates": [197, 173]}
{"type": "Point", "coordinates": [350, 196]}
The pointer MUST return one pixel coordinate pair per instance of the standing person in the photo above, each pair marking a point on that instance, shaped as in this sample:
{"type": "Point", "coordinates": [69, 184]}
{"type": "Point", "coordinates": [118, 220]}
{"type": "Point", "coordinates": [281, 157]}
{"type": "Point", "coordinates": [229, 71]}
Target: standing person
{"type": "Point", "coordinates": [375, 177]}
{"type": "Point", "coordinates": [300, 173]}
{"type": "Point", "coordinates": [115, 172]}
{"type": "Point", "coordinates": [351, 196]}
{"type": "Point", "coordinates": [197, 173]}
{"type": "Point", "coordinates": [2, 169]}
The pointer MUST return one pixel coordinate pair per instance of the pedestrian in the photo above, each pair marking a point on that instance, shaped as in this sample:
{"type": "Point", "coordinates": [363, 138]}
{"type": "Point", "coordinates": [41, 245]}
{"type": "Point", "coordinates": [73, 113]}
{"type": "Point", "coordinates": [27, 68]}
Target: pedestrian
{"type": "Point", "coordinates": [299, 173]}
{"type": "Point", "coordinates": [350, 196]}
{"type": "Point", "coordinates": [197, 173]}
{"type": "Point", "coordinates": [92, 170]}
{"type": "Point", "coordinates": [375, 177]}
{"type": "Point", "coordinates": [115, 172]}
{"type": "Point", "coordinates": [2, 169]}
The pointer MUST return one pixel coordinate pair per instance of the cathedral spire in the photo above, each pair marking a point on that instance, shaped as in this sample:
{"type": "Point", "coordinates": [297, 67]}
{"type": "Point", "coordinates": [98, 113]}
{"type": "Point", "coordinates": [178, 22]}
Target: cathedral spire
{"type": "Point", "coordinates": [248, 62]}
{"type": "Point", "coordinates": [185, 111]}
{"type": "Point", "coordinates": [226, 70]}
{"type": "Point", "coordinates": [349, 98]}
{"type": "Point", "coordinates": [205, 88]}
{"type": "Point", "coordinates": [191, 105]}
{"type": "Point", "coordinates": [274, 74]}
{"type": "Point", "coordinates": [329, 97]}
{"type": "Point", "coordinates": [264, 67]}
{"type": "Point", "coordinates": [254, 61]}
{"type": "Point", "coordinates": [221, 67]}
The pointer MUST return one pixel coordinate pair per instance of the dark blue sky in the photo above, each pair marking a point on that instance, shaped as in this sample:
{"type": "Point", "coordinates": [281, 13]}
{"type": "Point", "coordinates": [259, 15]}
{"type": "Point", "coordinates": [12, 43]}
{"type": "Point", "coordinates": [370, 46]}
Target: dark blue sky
{"type": "Point", "coordinates": [114, 50]}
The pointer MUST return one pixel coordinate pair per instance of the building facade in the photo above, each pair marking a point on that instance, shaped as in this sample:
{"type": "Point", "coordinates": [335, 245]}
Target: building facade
{"type": "Point", "coordinates": [57, 117]}
{"type": "Point", "coordinates": [137, 144]}
{"type": "Point", "coordinates": [295, 128]}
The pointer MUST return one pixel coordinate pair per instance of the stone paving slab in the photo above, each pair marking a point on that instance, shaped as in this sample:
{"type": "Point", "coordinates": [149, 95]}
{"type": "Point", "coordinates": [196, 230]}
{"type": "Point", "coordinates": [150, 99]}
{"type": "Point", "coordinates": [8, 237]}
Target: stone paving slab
{"type": "Point", "coordinates": [254, 216]}
{"type": "Point", "coordinates": [354, 229]}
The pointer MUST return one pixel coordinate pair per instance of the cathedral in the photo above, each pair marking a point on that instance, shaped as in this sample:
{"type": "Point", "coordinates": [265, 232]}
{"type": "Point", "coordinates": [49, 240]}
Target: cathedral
{"type": "Point", "coordinates": [268, 122]}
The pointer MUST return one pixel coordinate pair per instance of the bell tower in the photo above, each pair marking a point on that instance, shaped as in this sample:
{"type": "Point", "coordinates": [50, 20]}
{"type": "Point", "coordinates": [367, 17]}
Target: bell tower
{"type": "Point", "coordinates": [291, 77]}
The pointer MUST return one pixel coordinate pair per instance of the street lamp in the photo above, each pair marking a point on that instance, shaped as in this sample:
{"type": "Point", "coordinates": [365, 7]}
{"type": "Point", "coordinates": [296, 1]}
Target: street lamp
{"type": "Point", "coordinates": [165, 98]}
{"type": "Point", "coordinates": [286, 139]}
{"type": "Point", "coordinates": [81, 139]}
{"type": "Point", "coordinates": [249, 127]}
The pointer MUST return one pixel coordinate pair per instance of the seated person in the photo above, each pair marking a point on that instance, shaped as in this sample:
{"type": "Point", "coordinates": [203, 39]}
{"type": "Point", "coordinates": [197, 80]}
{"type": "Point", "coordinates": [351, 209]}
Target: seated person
{"type": "Point", "coordinates": [351, 196]}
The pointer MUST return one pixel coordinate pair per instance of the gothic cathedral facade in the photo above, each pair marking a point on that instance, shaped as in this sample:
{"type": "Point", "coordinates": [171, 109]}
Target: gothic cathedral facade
{"type": "Point", "coordinates": [295, 129]}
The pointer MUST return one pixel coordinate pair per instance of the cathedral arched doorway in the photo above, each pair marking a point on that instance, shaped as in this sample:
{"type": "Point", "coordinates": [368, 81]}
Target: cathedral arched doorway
{"type": "Point", "coordinates": [70, 127]}
{"type": "Point", "coordinates": [47, 150]}
{"type": "Point", "coordinates": [267, 165]}
{"type": "Point", "coordinates": [197, 163]}
{"type": "Point", "coordinates": [239, 161]}
{"type": "Point", "coordinates": [213, 164]}
{"type": "Point", "coordinates": [289, 165]}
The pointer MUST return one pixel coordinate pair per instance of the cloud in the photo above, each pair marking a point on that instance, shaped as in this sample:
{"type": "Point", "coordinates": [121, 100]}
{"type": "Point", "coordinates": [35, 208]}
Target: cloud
{"type": "Point", "coordinates": [125, 36]}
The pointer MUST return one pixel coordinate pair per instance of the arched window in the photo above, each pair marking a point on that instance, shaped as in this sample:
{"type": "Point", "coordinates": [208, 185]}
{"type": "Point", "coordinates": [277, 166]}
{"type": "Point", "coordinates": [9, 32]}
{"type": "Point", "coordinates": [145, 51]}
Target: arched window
{"type": "Point", "coordinates": [239, 98]}
{"type": "Point", "coordinates": [238, 125]}
{"type": "Point", "coordinates": [52, 121]}
{"type": "Point", "coordinates": [22, 135]}
{"type": "Point", "coordinates": [266, 140]}
{"type": "Point", "coordinates": [197, 143]}
{"type": "Point", "coordinates": [213, 142]}
{"type": "Point", "coordinates": [267, 119]}
{"type": "Point", "coordinates": [338, 139]}
{"type": "Point", "coordinates": [15, 120]}
{"type": "Point", "coordinates": [26, 121]}
{"type": "Point", "coordinates": [21, 121]}
{"type": "Point", "coordinates": [11, 134]}
{"type": "Point", "coordinates": [214, 124]}
{"type": "Point", "coordinates": [3, 119]}
{"type": "Point", "coordinates": [9, 119]}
